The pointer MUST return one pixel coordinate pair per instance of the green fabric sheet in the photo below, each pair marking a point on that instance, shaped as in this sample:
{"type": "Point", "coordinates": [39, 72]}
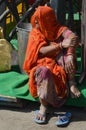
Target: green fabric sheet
{"type": "Point", "coordinates": [15, 84]}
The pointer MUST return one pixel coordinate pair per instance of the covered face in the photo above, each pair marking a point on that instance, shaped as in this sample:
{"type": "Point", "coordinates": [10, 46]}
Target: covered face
{"type": "Point", "coordinates": [48, 23]}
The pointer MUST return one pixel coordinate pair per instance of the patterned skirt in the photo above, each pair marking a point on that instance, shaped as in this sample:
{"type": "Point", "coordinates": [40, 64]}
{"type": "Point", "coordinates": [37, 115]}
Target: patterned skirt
{"type": "Point", "coordinates": [46, 87]}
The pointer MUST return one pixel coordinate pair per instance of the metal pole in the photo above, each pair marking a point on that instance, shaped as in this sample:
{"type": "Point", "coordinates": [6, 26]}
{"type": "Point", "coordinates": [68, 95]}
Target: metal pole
{"type": "Point", "coordinates": [3, 22]}
{"type": "Point", "coordinates": [83, 41]}
{"type": "Point", "coordinates": [59, 7]}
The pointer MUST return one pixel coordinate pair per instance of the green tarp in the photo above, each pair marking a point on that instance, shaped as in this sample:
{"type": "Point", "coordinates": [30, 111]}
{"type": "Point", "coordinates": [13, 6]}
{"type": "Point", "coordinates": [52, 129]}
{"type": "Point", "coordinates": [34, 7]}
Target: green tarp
{"type": "Point", "coordinates": [16, 84]}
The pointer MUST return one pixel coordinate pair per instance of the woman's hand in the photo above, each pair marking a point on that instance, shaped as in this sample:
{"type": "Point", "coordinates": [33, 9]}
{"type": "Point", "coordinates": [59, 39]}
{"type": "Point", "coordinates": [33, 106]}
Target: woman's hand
{"type": "Point", "coordinates": [71, 41]}
{"type": "Point", "coordinates": [66, 43]}
{"type": "Point", "coordinates": [75, 41]}
{"type": "Point", "coordinates": [69, 64]}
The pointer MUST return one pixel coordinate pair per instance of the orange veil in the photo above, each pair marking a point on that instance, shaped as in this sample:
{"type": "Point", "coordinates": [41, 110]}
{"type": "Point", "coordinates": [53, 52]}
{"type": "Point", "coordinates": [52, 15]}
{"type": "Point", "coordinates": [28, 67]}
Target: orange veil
{"type": "Point", "coordinates": [50, 29]}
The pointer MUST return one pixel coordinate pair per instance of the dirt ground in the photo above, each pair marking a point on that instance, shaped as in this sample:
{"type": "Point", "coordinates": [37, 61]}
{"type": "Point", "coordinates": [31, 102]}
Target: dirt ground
{"type": "Point", "coordinates": [15, 118]}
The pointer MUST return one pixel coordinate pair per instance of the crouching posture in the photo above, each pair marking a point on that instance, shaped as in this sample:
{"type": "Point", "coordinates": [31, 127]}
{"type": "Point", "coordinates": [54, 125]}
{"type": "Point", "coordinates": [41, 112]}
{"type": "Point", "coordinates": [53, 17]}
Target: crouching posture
{"type": "Point", "coordinates": [50, 61]}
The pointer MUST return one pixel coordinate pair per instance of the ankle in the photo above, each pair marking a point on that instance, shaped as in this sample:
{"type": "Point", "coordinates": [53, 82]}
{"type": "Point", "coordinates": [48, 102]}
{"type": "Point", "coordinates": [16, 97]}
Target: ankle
{"type": "Point", "coordinates": [72, 83]}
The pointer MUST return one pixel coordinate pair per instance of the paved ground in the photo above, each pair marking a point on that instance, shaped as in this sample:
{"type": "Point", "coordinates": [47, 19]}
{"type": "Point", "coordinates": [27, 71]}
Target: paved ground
{"type": "Point", "coordinates": [12, 118]}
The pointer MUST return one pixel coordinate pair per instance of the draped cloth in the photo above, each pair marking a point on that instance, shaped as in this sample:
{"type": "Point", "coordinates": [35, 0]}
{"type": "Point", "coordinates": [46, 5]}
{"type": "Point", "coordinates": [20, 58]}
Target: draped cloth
{"type": "Point", "coordinates": [50, 29]}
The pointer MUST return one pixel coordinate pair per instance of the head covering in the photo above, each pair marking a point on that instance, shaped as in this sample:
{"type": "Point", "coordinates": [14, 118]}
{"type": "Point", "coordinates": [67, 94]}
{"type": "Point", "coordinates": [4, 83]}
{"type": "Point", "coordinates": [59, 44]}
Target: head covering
{"type": "Point", "coordinates": [48, 23]}
{"type": "Point", "coordinates": [52, 30]}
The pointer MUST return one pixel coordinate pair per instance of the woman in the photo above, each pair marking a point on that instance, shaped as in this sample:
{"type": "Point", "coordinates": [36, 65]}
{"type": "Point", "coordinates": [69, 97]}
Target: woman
{"type": "Point", "coordinates": [50, 61]}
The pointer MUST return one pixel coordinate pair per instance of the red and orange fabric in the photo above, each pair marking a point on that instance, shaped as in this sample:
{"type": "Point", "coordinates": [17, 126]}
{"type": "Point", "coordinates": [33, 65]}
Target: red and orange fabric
{"type": "Point", "coordinates": [50, 29]}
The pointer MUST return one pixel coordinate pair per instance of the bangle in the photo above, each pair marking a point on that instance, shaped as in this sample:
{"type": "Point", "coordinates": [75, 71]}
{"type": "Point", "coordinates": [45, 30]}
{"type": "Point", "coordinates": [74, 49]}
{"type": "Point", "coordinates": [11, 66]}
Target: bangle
{"type": "Point", "coordinates": [71, 51]}
{"type": "Point", "coordinates": [69, 54]}
{"type": "Point", "coordinates": [57, 47]}
{"type": "Point", "coordinates": [60, 45]}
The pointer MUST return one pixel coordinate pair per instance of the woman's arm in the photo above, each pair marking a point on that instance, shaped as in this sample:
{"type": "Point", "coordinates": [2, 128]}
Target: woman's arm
{"type": "Point", "coordinates": [71, 50]}
{"type": "Point", "coordinates": [68, 34]}
{"type": "Point", "coordinates": [50, 50]}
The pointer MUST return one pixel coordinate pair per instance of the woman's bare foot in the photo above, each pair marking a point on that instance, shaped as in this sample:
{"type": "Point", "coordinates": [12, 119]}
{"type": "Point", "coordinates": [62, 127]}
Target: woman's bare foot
{"type": "Point", "coordinates": [41, 115]}
{"type": "Point", "coordinates": [74, 92]}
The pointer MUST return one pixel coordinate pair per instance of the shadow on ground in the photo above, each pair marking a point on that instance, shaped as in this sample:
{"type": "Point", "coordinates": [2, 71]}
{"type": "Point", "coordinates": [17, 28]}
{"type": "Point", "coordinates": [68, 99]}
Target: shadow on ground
{"type": "Point", "coordinates": [78, 113]}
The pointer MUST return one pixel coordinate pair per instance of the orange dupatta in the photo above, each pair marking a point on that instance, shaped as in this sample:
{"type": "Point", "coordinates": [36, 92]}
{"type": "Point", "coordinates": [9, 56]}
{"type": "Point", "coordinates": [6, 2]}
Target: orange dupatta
{"type": "Point", "coordinates": [37, 39]}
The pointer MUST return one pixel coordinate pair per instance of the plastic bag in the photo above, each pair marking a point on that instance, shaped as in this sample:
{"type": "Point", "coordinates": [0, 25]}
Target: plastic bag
{"type": "Point", "coordinates": [5, 53]}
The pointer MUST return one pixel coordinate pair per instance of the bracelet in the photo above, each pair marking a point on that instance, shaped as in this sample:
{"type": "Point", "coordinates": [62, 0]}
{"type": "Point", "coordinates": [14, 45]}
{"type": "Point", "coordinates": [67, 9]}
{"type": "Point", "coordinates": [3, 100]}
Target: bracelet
{"type": "Point", "coordinates": [60, 44]}
{"type": "Point", "coordinates": [57, 48]}
{"type": "Point", "coordinates": [69, 54]}
{"type": "Point", "coordinates": [71, 51]}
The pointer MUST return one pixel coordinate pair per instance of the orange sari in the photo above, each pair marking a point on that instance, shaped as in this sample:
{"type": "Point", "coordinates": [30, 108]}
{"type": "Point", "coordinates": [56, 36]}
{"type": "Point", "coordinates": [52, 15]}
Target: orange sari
{"type": "Point", "coordinates": [37, 38]}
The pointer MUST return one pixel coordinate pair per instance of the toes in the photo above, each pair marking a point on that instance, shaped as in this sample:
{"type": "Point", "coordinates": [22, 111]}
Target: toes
{"type": "Point", "coordinates": [75, 94]}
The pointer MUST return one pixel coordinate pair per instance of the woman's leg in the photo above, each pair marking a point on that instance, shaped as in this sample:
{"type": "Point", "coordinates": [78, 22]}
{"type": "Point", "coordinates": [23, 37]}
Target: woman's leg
{"type": "Point", "coordinates": [74, 92]}
{"type": "Point", "coordinates": [46, 91]}
{"type": "Point", "coordinates": [44, 85]}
